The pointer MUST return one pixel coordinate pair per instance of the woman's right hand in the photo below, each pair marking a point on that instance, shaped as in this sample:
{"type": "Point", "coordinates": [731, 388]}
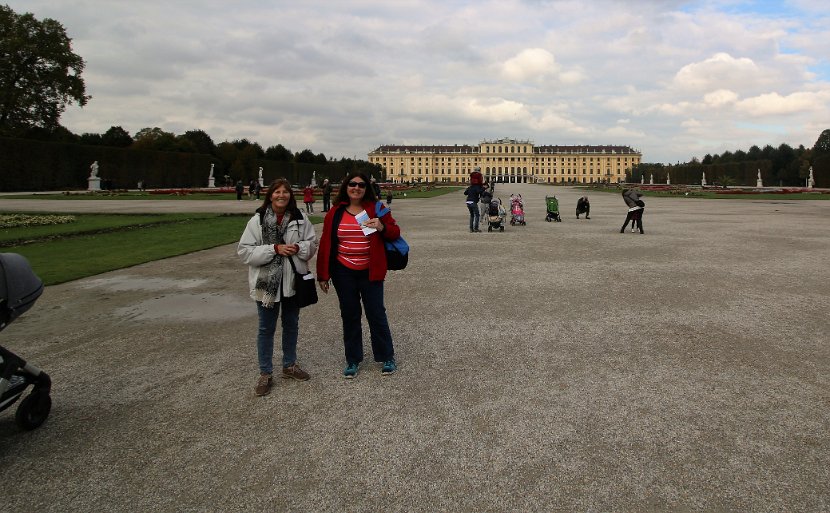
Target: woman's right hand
{"type": "Point", "coordinates": [324, 286]}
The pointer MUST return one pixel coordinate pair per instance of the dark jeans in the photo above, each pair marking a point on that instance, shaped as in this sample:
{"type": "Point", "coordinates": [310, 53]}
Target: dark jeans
{"type": "Point", "coordinates": [309, 207]}
{"type": "Point", "coordinates": [474, 216]}
{"type": "Point", "coordinates": [326, 202]}
{"type": "Point", "coordinates": [636, 218]}
{"type": "Point", "coordinates": [267, 328]}
{"type": "Point", "coordinates": [352, 287]}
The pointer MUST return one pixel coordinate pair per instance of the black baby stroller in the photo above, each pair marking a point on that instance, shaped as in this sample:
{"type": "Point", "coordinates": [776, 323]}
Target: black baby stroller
{"type": "Point", "coordinates": [552, 205]}
{"type": "Point", "coordinates": [495, 216]}
{"type": "Point", "coordinates": [19, 289]}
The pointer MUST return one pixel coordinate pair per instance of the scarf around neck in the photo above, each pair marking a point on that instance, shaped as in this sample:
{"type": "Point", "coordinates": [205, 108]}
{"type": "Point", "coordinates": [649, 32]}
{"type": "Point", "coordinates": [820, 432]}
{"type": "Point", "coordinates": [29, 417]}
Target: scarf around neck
{"type": "Point", "coordinates": [269, 279]}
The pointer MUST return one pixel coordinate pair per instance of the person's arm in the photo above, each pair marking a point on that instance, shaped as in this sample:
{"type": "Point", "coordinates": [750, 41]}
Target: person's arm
{"type": "Point", "coordinates": [251, 249]}
{"type": "Point", "coordinates": [308, 240]}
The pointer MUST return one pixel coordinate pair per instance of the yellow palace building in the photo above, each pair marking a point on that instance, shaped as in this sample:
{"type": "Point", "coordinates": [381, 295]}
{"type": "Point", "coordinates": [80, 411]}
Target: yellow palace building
{"type": "Point", "coordinates": [506, 161]}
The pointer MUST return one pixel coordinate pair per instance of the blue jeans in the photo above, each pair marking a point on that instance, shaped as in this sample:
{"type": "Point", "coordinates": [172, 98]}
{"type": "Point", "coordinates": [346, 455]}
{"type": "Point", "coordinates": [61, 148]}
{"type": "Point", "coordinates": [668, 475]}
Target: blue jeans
{"type": "Point", "coordinates": [352, 287]}
{"type": "Point", "coordinates": [267, 327]}
{"type": "Point", "coordinates": [474, 216]}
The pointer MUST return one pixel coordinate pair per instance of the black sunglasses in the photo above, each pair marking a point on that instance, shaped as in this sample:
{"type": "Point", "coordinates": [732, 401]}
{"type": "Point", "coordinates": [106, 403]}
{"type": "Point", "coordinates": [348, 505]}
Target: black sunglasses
{"type": "Point", "coordinates": [362, 185]}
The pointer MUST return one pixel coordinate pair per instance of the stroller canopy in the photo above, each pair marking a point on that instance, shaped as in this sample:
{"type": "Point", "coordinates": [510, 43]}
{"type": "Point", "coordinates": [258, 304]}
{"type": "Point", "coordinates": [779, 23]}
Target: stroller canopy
{"type": "Point", "coordinates": [19, 287]}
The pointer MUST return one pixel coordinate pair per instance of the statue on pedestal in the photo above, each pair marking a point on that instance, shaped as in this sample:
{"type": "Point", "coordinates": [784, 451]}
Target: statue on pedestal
{"type": "Point", "coordinates": [810, 181]}
{"type": "Point", "coordinates": [759, 182]}
{"type": "Point", "coordinates": [93, 182]}
{"type": "Point", "coordinates": [703, 180]}
{"type": "Point", "coordinates": [211, 179]}
{"type": "Point", "coordinates": [260, 176]}
{"type": "Point", "coordinates": [651, 179]}
{"type": "Point", "coordinates": [668, 179]}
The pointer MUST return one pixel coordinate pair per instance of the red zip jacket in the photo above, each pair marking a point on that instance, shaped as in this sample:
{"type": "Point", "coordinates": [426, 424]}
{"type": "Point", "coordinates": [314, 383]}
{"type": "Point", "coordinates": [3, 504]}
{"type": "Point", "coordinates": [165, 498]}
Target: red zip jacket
{"type": "Point", "coordinates": [326, 254]}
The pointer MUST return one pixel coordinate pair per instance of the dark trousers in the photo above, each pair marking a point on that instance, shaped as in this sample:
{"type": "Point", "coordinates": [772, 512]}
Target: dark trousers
{"type": "Point", "coordinates": [353, 287]}
{"type": "Point", "coordinates": [636, 218]}
{"type": "Point", "coordinates": [326, 202]}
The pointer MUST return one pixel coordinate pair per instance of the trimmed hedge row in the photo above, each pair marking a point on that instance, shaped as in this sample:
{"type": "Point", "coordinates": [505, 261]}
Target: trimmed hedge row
{"type": "Point", "coordinates": [32, 165]}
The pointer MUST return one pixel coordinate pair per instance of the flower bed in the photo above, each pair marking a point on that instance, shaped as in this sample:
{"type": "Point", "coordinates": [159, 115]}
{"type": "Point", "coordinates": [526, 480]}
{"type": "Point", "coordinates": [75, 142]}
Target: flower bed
{"type": "Point", "coordinates": [23, 220]}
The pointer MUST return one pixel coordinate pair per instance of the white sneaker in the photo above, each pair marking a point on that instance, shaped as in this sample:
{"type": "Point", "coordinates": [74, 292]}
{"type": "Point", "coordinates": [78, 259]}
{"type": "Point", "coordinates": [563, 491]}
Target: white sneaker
{"type": "Point", "coordinates": [632, 230]}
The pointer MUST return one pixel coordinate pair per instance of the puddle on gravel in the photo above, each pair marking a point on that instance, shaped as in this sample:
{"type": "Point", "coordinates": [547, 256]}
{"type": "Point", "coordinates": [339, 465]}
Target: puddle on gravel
{"type": "Point", "coordinates": [189, 307]}
{"type": "Point", "coordinates": [128, 282]}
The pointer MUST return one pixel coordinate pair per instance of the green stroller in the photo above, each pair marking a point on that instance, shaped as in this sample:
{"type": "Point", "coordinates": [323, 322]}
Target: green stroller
{"type": "Point", "coordinates": [553, 209]}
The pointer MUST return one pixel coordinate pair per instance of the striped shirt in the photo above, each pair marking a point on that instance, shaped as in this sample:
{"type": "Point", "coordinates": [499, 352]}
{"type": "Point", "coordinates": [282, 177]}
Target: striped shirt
{"type": "Point", "coordinates": [353, 246]}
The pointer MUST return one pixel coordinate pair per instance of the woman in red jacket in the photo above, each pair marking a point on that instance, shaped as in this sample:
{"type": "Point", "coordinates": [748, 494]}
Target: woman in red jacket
{"type": "Point", "coordinates": [356, 264]}
{"type": "Point", "coordinates": [308, 199]}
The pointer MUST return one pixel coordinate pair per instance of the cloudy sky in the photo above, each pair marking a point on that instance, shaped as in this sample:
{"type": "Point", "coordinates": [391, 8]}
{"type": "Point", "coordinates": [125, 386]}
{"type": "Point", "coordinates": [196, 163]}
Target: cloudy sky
{"type": "Point", "coordinates": [673, 79]}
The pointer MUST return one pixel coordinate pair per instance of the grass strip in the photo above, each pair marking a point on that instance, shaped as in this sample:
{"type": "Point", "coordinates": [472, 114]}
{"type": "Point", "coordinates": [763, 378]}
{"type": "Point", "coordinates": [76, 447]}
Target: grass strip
{"type": "Point", "coordinates": [89, 224]}
{"type": "Point", "coordinates": [62, 260]}
{"type": "Point", "coordinates": [715, 195]}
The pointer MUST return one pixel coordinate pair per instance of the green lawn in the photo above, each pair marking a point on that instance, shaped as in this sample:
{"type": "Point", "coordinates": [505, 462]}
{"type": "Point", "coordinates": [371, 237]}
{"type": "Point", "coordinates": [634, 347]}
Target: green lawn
{"type": "Point", "coordinates": [62, 256]}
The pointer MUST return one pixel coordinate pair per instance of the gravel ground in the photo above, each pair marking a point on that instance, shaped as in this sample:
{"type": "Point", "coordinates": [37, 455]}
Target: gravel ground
{"type": "Point", "coordinates": [552, 367]}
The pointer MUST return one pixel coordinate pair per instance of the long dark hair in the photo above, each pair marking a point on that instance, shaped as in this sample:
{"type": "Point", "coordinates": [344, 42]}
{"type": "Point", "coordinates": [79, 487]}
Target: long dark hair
{"type": "Point", "coordinates": [343, 195]}
{"type": "Point", "coordinates": [292, 202]}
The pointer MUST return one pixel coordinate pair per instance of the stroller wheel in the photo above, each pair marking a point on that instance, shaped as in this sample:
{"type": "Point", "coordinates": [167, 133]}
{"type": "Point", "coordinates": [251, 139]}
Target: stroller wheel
{"type": "Point", "coordinates": [33, 410]}
{"type": "Point", "coordinates": [489, 228]}
{"type": "Point", "coordinates": [501, 228]}
{"type": "Point", "coordinates": [547, 218]}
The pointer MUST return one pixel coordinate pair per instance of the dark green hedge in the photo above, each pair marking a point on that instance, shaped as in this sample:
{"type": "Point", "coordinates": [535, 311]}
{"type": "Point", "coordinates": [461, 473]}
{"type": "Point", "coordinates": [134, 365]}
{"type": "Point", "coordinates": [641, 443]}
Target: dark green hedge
{"type": "Point", "coordinates": [30, 165]}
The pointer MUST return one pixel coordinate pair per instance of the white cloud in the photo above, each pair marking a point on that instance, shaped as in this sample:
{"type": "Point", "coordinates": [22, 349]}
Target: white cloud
{"type": "Point", "coordinates": [530, 64]}
{"type": "Point", "coordinates": [716, 72]}
{"type": "Point", "coordinates": [774, 104]}
{"type": "Point", "coordinates": [720, 98]}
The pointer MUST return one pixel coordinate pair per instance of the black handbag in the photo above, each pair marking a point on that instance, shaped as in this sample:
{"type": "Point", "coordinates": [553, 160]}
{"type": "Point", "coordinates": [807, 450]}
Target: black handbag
{"type": "Point", "coordinates": [305, 287]}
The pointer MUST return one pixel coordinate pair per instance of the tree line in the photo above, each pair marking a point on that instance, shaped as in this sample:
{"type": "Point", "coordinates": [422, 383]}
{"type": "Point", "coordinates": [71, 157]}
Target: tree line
{"type": "Point", "coordinates": [783, 166]}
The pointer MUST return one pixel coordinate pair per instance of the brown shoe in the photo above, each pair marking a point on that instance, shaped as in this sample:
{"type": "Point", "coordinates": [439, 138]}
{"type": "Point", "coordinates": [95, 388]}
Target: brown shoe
{"type": "Point", "coordinates": [295, 372]}
{"type": "Point", "coordinates": [263, 385]}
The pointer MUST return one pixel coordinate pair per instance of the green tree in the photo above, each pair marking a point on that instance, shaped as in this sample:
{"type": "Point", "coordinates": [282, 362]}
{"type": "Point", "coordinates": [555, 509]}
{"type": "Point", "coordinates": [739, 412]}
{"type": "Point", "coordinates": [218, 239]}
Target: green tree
{"type": "Point", "coordinates": [197, 141]}
{"type": "Point", "coordinates": [279, 153]}
{"type": "Point", "coordinates": [822, 146]}
{"type": "Point", "coordinates": [306, 157]}
{"type": "Point", "coordinates": [117, 137]}
{"type": "Point", "coordinates": [39, 73]}
{"type": "Point", "coordinates": [155, 139]}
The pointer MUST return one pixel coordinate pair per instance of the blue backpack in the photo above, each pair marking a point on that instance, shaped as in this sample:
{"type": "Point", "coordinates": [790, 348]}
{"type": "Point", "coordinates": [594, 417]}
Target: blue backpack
{"type": "Point", "coordinates": [397, 251]}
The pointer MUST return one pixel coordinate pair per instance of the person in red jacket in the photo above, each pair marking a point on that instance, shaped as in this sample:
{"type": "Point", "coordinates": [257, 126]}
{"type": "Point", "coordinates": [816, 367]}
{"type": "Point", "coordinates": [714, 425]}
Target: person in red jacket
{"type": "Point", "coordinates": [308, 199]}
{"type": "Point", "coordinates": [355, 262]}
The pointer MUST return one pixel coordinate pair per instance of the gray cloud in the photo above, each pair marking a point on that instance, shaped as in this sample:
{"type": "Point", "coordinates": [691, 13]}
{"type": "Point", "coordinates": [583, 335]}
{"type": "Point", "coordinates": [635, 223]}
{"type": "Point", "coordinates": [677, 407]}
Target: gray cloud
{"type": "Point", "coordinates": [675, 79]}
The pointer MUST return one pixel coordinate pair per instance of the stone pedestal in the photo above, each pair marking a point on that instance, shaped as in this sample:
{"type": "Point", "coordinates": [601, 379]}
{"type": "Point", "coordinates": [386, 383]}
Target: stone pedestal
{"type": "Point", "coordinates": [759, 183]}
{"type": "Point", "coordinates": [211, 182]}
{"type": "Point", "coordinates": [94, 183]}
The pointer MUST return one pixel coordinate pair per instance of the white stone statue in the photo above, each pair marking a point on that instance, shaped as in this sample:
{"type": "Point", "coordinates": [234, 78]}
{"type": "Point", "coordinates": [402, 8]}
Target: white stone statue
{"type": "Point", "coordinates": [668, 179]}
{"type": "Point", "coordinates": [651, 179]}
{"type": "Point", "coordinates": [643, 179]}
{"type": "Point", "coordinates": [211, 179]}
{"type": "Point", "coordinates": [759, 183]}
{"type": "Point", "coordinates": [703, 180]}
{"type": "Point", "coordinates": [211, 170]}
{"type": "Point", "coordinates": [314, 178]}
{"type": "Point", "coordinates": [93, 182]}
{"type": "Point", "coordinates": [810, 181]}
{"type": "Point", "coordinates": [260, 175]}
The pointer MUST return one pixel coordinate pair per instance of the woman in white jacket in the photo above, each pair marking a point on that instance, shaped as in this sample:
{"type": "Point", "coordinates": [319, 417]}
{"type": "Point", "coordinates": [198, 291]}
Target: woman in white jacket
{"type": "Point", "coordinates": [278, 231]}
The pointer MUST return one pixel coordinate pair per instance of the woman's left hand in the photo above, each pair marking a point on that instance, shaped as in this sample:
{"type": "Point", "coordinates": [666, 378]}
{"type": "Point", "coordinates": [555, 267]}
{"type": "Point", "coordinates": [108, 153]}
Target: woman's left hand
{"type": "Point", "coordinates": [374, 223]}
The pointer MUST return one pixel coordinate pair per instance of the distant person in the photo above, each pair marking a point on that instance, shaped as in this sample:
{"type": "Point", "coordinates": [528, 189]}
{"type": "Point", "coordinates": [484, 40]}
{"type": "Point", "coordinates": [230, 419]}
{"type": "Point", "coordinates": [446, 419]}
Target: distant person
{"type": "Point", "coordinates": [326, 189]}
{"type": "Point", "coordinates": [277, 231]}
{"type": "Point", "coordinates": [308, 199]}
{"type": "Point", "coordinates": [376, 188]}
{"type": "Point", "coordinates": [486, 198]}
{"type": "Point", "coordinates": [240, 190]}
{"type": "Point", "coordinates": [257, 189]}
{"type": "Point", "coordinates": [635, 209]}
{"type": "Point", "coordinates": [473, 193]}
{"type": "Point", "coordinates": [356, 264]}
{"type": "Point", "coordinates": [583, 207]}
{"type": "Point", "coordinates": [389, 196]}
{"type": "Point", "coordinates": [251, 188]}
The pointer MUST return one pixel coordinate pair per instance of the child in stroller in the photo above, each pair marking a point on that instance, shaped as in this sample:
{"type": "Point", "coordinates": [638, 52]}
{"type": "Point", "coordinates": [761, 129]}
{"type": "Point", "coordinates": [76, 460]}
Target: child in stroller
{"type": "Point", "coordinates": [552, 205]}
{"type": "Point", "coordinates": [517, 210]}
{"type": "Point", "coordinates": [495, 216]}
{"type": "Point", "coordinates": [19, 289]}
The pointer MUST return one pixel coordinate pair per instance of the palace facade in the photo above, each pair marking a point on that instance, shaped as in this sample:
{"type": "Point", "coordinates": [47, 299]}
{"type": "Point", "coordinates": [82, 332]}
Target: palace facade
{"type": "Point", "coordinates": [506, 161]}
